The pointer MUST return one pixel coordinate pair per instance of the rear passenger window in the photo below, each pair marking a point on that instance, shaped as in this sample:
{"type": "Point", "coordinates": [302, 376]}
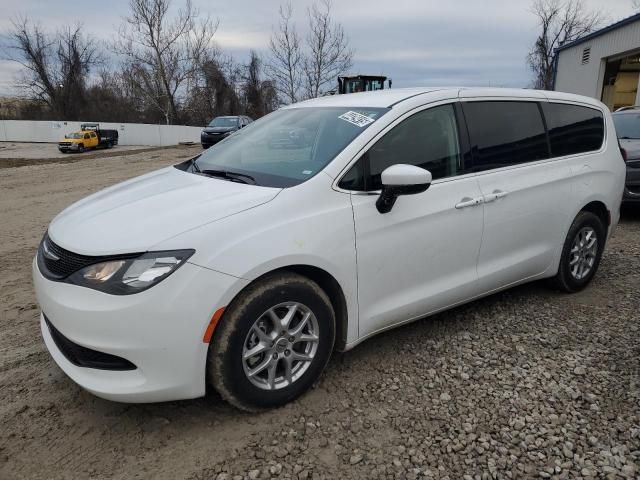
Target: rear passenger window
{"type": "Point", "coordinates": [573, 129]}
{"type": "Point", "coordinates": [505, 133]}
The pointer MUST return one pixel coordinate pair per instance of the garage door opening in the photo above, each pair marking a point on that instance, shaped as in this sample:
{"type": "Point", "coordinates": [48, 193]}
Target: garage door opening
{"type": "Point", "coordinates": [620, 86]}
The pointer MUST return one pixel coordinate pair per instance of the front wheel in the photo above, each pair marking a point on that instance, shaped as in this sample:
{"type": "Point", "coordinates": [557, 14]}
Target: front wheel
{"type": "Point", "coordinates": [80, 148]}
{"type": "Point", "coordinates": [581, 253]}
{"type": "Point", "coordinates": [272, 343]}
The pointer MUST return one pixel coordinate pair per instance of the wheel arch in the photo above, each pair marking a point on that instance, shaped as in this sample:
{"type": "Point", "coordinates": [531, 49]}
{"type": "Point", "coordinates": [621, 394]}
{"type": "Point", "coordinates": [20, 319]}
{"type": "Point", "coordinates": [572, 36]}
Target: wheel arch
{"type": "Point", "coordinates": [599, 209]}
{"type": "Point", "coordinates": [331, 287]}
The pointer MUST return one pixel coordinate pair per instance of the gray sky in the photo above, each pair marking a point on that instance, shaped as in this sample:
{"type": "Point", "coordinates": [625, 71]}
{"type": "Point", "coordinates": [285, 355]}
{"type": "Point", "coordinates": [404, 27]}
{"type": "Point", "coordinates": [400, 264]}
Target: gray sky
{"type": "Point", "coordinates": [415, 42]}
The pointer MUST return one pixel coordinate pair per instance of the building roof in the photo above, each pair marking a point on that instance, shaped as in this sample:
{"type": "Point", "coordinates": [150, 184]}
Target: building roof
{"type": "Point", "coordinates": [602, 31]}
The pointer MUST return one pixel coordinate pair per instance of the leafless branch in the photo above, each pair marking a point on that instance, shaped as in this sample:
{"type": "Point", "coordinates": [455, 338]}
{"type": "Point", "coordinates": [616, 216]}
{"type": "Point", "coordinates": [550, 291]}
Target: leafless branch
{"type": "Point", "coordinates": [559, 22]}
{"type": "Point", "coordinates": [329, 53]}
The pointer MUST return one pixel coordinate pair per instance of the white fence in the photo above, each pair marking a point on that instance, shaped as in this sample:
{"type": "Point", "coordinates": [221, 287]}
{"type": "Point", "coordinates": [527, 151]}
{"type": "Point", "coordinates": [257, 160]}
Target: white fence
{"type": "Point", "coordinates": [129, 133]}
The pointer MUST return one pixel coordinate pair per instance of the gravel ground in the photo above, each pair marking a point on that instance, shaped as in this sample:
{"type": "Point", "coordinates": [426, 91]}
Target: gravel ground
{"type": "Point", "coordinates": [529, 383]}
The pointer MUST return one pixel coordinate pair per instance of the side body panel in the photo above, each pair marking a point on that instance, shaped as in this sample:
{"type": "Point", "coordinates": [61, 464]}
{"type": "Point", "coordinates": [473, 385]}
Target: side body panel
{"type": "Point", "coordinates": [418, 258]}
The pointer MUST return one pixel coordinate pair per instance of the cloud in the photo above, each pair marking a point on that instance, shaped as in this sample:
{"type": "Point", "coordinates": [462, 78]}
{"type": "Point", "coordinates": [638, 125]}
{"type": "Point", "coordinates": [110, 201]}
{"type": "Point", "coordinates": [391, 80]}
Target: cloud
{"type": "Point", "coordinates": [416, 42]}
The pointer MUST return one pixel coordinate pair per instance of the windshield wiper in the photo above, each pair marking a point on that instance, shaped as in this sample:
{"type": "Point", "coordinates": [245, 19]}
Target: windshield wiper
{"type": "Point", "coordinates": [232, 176]}
{"type": "Point", "coordinates": [629, 138]}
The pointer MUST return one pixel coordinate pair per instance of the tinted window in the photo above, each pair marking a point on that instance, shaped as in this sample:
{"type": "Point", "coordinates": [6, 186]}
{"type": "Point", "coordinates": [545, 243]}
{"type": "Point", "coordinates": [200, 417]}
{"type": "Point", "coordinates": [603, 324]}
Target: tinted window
{"type": "Point", "coordinates": [505, 133]}
{"type": "Point", "coordinates": [428, 139]}
{"type": "Point", "coordinates": [573, 129]}
{"type": "Point", "coordinates": [627, 125]}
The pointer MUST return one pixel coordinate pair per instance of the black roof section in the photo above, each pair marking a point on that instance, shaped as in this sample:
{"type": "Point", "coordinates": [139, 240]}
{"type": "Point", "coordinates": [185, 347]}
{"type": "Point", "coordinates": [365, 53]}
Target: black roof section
{"type": "Point", "coordinates": [602, 31]}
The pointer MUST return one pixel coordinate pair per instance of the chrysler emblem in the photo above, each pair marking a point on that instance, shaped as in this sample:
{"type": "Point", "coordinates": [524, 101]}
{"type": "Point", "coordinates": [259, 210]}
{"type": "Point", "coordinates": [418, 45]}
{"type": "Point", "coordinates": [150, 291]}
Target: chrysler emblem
{"type": "Point", "coordinates": [48, 253]}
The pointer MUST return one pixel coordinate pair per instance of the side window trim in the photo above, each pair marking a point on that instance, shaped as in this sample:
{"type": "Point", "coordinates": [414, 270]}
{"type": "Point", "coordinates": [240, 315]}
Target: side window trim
{"type": "Point", "coordinates": [464, 140]}
{"type": "Point", "coordinates": [546, 130]}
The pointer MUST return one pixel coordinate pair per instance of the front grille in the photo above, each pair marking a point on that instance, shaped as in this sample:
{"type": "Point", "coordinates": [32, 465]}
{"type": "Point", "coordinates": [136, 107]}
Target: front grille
{"type": "Point", "coordinates": [85, 357]}
{"type": "Point", "coordinates": [65, 144]}
{"type": "Point", "coordinates": [56, 263]}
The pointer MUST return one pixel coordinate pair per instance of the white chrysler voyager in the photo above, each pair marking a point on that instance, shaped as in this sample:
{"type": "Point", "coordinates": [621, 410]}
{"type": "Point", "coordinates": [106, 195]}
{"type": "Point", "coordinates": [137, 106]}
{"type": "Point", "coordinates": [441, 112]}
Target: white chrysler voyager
{"type": "Point", "coordinates": [318, 226]}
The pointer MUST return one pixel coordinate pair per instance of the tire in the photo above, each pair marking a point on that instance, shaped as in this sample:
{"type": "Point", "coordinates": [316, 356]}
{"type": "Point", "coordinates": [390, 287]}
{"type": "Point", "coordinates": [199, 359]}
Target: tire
{"type": "Point", "coordinates": [237, 333]}
{"type": "Point", "coordinates": [80, 148]}
{"type": "Point", "coordinates": [109, 145]}
{"type": "Point", "coordinates": [571, 277]}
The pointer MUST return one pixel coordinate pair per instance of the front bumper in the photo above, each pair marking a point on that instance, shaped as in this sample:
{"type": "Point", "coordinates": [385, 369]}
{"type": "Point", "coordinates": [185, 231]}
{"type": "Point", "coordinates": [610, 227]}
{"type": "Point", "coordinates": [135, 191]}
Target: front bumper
{"type": "Point", "coordinates": [631, 195]}
{"type": "Point", "coordinates": [160, 331]}
{"type": "Point", "coordinates": [632, 182]}
{"type": "Point", "coordinates": [68, 148]}
{"type": "Point", "coordinates": [209, 140]}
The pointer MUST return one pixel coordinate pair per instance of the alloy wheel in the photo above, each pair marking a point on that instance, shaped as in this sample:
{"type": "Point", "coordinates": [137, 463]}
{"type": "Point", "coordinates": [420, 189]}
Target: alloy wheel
{"type": "Point", "coordinates": [280, 346]}
{"type": "Point", "coordinates": [583, 253]}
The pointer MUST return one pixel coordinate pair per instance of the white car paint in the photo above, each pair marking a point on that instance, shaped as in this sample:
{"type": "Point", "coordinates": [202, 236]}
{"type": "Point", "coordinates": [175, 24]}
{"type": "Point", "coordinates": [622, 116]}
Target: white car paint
{"type": "Point", "coordinates": [406, 175]}
{"type": "Point", "coordinates": [424, 256]}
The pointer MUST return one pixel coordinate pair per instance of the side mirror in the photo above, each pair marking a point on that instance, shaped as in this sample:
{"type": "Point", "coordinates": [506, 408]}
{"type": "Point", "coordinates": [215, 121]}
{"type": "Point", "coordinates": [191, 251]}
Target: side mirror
{"type": "Point", "coordinates": [401, 179]}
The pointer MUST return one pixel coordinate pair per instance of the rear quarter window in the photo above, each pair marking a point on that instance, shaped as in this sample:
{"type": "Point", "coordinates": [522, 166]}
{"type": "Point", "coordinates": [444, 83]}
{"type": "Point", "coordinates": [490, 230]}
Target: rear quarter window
{"type": "Point", "coordinates": [573, 128]}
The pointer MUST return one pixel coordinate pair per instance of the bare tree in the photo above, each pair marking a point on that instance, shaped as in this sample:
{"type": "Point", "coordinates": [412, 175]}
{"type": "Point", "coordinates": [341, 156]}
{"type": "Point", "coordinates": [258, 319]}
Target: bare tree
{"type": "Point", "coordinates": [560, 22]}
{"type": "Point", "coordinates": [214, 91]}
{"type": "Point", "coordinates": [285, 67]}
{"type": "Point", "coordinates": [329, 54]}
{"type": "Point", "coordinates": [635, 4]}
{"type": "Point", "coordinates": [259, 94]}
{"type": "Point", "coordinates": [56, 66]}
{"type": "Point", "coordinates": [162, 51]}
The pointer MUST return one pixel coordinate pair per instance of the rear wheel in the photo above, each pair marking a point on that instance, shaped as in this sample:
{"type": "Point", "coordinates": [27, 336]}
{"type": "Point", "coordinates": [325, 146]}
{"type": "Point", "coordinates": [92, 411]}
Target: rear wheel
{"type": "Point", "coordinates": [272, 343]}
{"type": "Point", "coordinates": [581, 253]}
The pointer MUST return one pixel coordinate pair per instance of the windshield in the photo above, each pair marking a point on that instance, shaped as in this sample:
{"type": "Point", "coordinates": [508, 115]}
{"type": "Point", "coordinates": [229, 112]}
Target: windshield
{"type": "Point", "coordinates": [224, 122]}
{"type": "Point", "coordinates": [627, 125]}
{"type": "Point", "coordinates": [74, 135]}
{"type": "Point", "coordinates": [289, 146]}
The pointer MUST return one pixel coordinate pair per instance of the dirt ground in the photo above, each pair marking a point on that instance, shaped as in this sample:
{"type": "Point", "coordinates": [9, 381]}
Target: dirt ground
{"type": "Point", "coordinates": [18, 154]}
{"type": "Point", "coordinates": [527, 383]}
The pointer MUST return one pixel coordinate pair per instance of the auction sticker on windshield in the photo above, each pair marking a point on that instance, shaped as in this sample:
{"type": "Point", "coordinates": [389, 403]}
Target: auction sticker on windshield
{"type": "Point", "coordinates": [356, 118]}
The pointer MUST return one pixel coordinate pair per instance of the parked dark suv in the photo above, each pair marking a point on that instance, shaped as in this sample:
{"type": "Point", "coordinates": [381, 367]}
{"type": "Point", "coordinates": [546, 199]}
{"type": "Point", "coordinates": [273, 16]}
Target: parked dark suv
{"type": "Point", "coordinates": [627, 121]}
{"type": "Point", "coordinates": [221, 127]}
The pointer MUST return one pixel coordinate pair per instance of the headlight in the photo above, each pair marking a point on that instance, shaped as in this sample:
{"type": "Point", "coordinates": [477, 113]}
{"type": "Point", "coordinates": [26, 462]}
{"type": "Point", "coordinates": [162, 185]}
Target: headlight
{"type": "Point", "coordinates": [130, 275]}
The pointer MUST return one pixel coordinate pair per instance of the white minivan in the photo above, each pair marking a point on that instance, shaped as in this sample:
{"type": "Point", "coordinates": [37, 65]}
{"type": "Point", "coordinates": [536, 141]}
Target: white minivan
{"type": "Point", "coordinates": [318, 226]}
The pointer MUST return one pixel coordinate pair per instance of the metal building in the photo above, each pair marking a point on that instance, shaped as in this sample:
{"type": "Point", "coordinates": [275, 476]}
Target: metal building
{"type": "Point", "coordinates": [604, 64]}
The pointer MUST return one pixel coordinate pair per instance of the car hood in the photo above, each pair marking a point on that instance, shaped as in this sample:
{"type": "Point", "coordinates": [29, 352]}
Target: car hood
{"type": "Point", "coordinates": [632, 147]}
{"type": "Point", "coordinates": [219, 129]}
{"type": "Point", "coordinates": [136, 215]}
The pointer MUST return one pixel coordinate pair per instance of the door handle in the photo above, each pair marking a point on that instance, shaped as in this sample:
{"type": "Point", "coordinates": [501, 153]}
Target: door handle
{"type": "Point", "coordinates": [495, 196]}
{"type": "Point", "coordinates": [469, 202]}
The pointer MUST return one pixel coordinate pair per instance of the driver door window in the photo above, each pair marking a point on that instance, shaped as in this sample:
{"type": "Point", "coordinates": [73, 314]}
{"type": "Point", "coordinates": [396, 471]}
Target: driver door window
{"type": "Point", "coordinates": [427, 139]}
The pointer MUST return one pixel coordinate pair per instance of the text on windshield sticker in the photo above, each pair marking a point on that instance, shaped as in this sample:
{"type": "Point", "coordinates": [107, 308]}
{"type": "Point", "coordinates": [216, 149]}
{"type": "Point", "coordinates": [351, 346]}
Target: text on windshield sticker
{"type": "Point", "coordinates": [356, 118]}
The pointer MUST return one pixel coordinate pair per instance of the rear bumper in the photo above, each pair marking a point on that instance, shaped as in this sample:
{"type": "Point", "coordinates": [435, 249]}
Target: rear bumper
{"type": "Point", "coordinates": [159, 331]}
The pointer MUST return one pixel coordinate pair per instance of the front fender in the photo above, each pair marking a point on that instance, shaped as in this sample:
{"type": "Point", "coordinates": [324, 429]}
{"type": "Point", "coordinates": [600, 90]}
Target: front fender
{"type": "Point", "coordinates": [310, 226]}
